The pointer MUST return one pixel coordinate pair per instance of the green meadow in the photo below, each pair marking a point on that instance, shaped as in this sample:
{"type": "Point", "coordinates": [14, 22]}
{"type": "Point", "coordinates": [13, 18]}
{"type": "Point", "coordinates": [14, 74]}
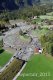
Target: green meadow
{"type": "Point", "coordinates": [4, 58]}
{"type": "Point", "coordinates": [46, 17]}
{"type": "Point", "coordinates": [38, 32]}
{"type": "Point", "coordinates": [40, 67]}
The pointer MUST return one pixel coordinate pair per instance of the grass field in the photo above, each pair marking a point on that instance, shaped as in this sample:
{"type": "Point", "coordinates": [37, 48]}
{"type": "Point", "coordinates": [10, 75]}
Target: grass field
{"type": "Point", "coordinates": [4, 58]}
{"type": "Point", "coordinates": [46, 17]}
{"type": "Point", "coordinates": [38, 32]}
{"type": "Point", "coordinates": [50, 14]}
{"type": "Point", "coordinates": [41, 65]}
{"type": "Point", "coordinates": [38, 20]}
{"type": "Point", "coordinates": [24, 38]}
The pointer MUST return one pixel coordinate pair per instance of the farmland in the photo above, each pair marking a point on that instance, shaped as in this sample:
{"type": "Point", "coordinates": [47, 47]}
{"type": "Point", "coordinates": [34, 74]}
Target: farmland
{"type": "Point", "coordinates": [11, 70]}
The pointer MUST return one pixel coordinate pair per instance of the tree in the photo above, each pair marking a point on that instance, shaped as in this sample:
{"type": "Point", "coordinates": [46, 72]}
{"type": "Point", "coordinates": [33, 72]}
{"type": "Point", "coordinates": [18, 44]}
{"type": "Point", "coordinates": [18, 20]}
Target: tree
{"type": "Point", "coordinates": [47, 43]}
{"type": "Point", "coordinates": [1, 43]}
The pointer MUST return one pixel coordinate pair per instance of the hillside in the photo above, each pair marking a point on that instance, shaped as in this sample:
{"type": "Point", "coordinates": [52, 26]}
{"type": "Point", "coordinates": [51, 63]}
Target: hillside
{"type": "Point", "coordinates": [16, 4]}
{"type": "Point", "coordinates": [46, 1]}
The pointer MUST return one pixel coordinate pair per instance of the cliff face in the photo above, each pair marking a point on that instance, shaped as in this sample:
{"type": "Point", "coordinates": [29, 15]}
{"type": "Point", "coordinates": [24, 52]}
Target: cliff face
{"type": "Point", "coordinates": [16, 4]}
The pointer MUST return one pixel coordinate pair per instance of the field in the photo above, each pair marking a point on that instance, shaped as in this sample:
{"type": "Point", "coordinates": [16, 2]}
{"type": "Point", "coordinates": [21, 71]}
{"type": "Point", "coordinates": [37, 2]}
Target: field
{"type": "Point", "coordinates": [40, 67]}
{"type": "Point", "coordinates": [38, 32]}
{"type": "Point", "coordinates": [4, 58]}
{"type": "Point", "coordinates": [24, 38]}
{"type": "Point", "coordinates": [50, 14]}
{"type": "Point", "coordinates": [11, 70]}
{"type": "Point", "coordinates": [38, 20]}
{"type": "Point", "coordinates": [46, 17]}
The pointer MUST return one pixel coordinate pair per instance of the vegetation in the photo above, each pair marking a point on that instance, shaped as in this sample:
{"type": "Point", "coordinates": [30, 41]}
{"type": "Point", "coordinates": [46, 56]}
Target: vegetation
{"type": "Point", "coordinates": [39, 32]}
{"type": "Point", "coordinates": [46, 17]}
{"type": "Point", "coordinates": [1, 43]}
{"type": "Point", "coordinates": [24, 38]}
{"type": "Point", "coordinates": [11, 70]}
{"type": "Point", "coordinates": [4, 57]}
{"type": "Point", "coordinates": [26, 12]}
{"type": "Point", "coordinates": [40, 67]}
{"type": "Point", "coordinates": [47, 42]}
{"type": "Point", "coordinates": [41, 64]}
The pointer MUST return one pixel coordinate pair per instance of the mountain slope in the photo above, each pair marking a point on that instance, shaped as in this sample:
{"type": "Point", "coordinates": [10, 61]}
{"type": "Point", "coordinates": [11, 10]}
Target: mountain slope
{"type": "Point", "coordinates": [15, 4]}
